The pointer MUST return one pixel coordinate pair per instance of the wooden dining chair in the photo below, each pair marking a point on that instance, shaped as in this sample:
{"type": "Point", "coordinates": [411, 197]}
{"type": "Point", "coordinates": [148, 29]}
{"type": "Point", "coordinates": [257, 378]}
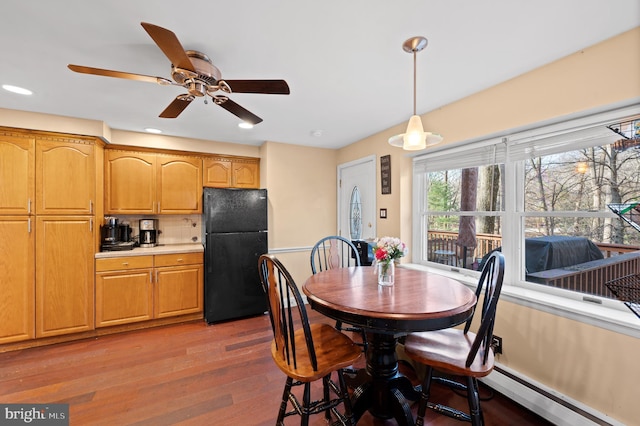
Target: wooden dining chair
{"type": "Point", "coordinates": [460, 352]}
{"type": "Point", "coordinates": [305, 352]}
{"type": "Point", "coordinates": [337, 252]}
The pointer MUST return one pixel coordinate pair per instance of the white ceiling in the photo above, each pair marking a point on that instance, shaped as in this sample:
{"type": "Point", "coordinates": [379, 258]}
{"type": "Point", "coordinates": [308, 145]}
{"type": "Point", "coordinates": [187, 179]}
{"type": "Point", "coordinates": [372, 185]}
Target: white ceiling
{"type": "Point", "coordinates": [343, 60]}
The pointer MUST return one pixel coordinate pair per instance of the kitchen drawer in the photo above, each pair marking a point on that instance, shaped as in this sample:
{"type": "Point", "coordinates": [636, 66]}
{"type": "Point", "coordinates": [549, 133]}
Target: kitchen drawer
{"type": "Point", "coordinates": [178, 259]}
{"type": "Point", "coordinates": [123, 263]}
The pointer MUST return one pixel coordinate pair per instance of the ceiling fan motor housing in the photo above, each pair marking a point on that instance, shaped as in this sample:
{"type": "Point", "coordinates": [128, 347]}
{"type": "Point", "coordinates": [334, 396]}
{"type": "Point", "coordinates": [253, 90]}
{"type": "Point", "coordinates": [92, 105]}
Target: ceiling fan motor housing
{"type": "Point", "coordinates": [206, 73]}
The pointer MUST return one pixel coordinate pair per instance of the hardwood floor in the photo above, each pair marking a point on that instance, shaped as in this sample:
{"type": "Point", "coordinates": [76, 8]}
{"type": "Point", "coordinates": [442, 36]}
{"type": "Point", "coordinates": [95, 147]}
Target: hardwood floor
{"type": "Point", "coordinates": [188, 374]}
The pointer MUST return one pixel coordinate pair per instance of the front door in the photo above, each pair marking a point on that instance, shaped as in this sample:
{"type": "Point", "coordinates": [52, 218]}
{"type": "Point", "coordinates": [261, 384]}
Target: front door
{"type": "Point", "coordinates": [357, 199]}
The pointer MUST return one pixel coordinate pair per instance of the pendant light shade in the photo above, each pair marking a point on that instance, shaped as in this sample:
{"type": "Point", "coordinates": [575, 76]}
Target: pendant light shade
{"type": "Point", "coordinates": [415, 138]}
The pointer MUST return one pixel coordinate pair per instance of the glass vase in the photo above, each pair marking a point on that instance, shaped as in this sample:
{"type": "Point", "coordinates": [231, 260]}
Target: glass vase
{"type": "Point", "coordinates": [386, 273]}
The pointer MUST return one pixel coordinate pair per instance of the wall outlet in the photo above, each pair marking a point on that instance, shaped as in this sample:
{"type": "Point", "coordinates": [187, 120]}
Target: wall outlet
{"type": "Point", "coordinates": [496, 344]}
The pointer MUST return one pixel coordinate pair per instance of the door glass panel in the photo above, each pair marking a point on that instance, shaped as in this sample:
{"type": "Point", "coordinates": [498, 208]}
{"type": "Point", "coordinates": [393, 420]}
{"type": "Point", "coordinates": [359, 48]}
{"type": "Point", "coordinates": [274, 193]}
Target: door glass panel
{"type": "Point", "coordinates": [355, 218]}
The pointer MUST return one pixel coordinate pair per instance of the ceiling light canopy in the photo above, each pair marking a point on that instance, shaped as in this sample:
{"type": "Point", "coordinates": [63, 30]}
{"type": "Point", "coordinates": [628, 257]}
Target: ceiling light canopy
{"type": "Point", "coordinates": [415, 138]}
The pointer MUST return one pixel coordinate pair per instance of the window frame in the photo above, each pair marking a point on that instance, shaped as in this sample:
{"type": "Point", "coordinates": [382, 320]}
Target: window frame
{"type": "Point", "coordinates": [511, 149]}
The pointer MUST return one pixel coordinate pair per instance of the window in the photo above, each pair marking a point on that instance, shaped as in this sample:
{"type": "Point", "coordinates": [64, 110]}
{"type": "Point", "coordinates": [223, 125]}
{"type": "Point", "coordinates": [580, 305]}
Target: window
{"type": "Point", "coordinates": [561, 201]}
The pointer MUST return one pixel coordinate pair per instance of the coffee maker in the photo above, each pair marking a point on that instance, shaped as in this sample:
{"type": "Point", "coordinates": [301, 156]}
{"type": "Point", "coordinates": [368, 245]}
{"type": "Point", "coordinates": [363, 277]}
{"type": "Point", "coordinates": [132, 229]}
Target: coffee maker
{"type": "Point", "coordinates": [115, 236]}
{"type": "Point", "coordinates": [148, 232]}
{"type": "Point", "coordinates": [109, 231]}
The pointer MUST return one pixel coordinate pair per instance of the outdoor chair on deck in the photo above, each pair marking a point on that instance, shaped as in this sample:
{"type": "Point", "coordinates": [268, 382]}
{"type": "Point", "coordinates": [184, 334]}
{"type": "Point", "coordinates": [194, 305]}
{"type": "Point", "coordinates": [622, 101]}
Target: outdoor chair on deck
{"type": "Point", "coordinates": [305, 352]}
{"type": "Point", "coordinates": [461, 352]}
{"type": "Point", "coordinates": [337, 252]}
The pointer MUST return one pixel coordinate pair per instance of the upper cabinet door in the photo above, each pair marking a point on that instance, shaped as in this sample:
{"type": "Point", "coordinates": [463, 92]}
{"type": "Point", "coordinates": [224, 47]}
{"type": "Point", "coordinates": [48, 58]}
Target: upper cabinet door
{"type": "Point", "coordinates": [217, 172]}
{"type": "Point", "coordinates": [246, 174]}
{"type": "Point", "coordinates": [65, 177]}
{"type": "Point", "coordinates": [130, 182]}
{"type": "Point", "coordinates": [179, 184]}
{"type": "Point", "coordinates": [17, 175]}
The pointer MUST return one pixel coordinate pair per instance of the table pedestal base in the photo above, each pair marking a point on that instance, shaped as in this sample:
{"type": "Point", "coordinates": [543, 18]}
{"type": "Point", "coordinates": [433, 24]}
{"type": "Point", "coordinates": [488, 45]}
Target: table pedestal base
{"type": "Point", "coordinates": [382, 390]}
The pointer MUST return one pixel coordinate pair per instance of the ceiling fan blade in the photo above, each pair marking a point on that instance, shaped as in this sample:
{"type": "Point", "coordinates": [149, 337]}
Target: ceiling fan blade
{"type": "Point", "coordinates": [170, 45]}
{"type": "Point", "coordinates": [239, 111]}
{"type": "Point", "coordinates": [273, 87]}
{"type": "Point", "coordinates": [117, 74]}
{"type": "Point", "coordinates": [177, 106]}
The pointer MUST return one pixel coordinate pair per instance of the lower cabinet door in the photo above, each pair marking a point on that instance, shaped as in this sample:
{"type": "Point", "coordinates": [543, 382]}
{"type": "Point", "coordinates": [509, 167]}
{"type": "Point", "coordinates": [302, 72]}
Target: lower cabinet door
{"type": "Point", "coordinates": [123, 297]}
{"type": "Point", "coordinates": [64, 275]}
{"type": "Point", "coordinates": [178, 290]}
{"type": "Point", "coordinates": [17, 278]}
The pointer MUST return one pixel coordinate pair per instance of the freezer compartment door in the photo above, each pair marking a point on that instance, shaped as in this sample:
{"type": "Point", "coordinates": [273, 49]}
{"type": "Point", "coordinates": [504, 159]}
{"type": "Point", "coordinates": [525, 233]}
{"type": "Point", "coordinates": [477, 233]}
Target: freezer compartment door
{"type": "Point", "coordinates": [232, 283]}
{"type": "Point", "coordinates": [235, 210]}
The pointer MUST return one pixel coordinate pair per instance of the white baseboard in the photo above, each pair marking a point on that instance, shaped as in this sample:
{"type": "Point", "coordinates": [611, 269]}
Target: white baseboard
{"type": "Point", "coordinates": [547, 403]}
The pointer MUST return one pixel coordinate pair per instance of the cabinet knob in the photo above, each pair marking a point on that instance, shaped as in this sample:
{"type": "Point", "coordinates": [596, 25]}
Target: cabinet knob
{"type": "Point", "coordinates": [180, 260]}
{"type": "Point", "coordinates": [125, 263]}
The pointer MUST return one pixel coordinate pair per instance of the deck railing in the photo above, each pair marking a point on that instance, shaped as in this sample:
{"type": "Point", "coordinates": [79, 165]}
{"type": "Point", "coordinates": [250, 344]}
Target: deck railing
{"type": "Point", "coordinates": [442, 248]}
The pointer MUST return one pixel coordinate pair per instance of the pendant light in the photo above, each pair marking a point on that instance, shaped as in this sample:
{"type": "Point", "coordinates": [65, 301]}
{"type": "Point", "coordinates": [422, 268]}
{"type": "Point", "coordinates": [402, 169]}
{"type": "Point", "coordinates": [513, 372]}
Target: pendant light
{"type": "Point", "coordinates": [415, 138]}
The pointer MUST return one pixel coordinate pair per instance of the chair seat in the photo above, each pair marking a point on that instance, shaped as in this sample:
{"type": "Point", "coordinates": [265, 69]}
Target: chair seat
{"type": "Point", "coordinates": [333, 349]}
{"type": "Point", "coordinates": [447, 350]}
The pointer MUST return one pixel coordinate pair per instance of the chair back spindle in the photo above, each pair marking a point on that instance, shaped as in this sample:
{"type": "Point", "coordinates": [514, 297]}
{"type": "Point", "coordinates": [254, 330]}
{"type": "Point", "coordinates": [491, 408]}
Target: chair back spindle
{"type": "Point", "coordinates": [491, 281]}
{"type": "Point", "coordinates": [286, 311]}
{"type": "Point", "coordinates": [333, 252]}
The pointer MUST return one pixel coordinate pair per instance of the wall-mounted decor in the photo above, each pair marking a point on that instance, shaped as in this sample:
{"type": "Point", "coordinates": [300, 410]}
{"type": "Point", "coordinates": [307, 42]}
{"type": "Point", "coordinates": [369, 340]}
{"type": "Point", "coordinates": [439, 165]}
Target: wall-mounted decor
{"type": "Point", "coordinates": [385, 174]}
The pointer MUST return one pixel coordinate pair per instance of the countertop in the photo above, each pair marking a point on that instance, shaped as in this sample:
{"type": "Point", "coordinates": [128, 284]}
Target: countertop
{"type": "Point", "coordinates": [161, 249]}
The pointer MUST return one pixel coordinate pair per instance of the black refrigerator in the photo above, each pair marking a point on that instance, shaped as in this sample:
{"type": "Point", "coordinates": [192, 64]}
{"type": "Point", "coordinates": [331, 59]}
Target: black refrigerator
{"type": "Point", "coordinates": [235, 227]}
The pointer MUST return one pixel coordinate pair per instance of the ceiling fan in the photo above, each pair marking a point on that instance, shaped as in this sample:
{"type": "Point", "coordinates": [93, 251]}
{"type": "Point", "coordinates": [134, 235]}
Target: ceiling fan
{"type": "Point", "coordinates": [195, 72]}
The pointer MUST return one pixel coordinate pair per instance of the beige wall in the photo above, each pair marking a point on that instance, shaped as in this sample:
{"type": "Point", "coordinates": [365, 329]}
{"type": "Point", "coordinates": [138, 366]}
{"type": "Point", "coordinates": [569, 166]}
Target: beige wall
{"type": "Point", "coordinates": [302, 201]}
{"type": "Point", "coordinates": [594, 366]}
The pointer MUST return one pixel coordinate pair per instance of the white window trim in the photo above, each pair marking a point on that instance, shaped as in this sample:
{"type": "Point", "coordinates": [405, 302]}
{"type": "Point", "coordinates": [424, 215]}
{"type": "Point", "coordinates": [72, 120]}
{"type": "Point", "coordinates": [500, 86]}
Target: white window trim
{"type": "Point", "coordinates": [601, 312]}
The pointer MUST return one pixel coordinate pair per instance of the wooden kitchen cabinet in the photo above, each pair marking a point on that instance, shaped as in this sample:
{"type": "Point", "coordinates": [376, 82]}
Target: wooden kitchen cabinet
{"type": "Point", "coordinates": [179, 184]}
{"type": "Point", "coordinates": [231, 172]}
{"type": "Point", "coordinates": [179, 284]}
{"type": "Point", "coordinates": [150, 183]}
{"type": "Point", "coordinates": [17, 274]}
{"type": "Point", "coordinates": [17, 172]}
{"type": "Point", "coordinates": [64, 275]}
{"type": "Point", "coordinates": [124, 291]}
{"type": "Point", "coordinates": [65, 177]}
{"type": "Point", "coordinates": [44, 173]}
{"type": "Point", "coordinates": [139, 288]}
{"type": "Point", "coordinates": [130, 182]}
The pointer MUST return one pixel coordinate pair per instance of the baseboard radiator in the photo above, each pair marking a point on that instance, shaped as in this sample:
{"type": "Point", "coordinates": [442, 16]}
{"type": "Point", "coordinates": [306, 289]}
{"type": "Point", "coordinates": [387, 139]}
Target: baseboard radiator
{"type": "Point", "coordinates": [547, 403]}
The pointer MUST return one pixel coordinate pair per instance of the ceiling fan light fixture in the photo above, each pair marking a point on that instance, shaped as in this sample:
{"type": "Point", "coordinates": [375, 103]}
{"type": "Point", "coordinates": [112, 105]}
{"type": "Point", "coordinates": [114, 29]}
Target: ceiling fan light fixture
{"type": "Point", "coordinates": [245, 125]}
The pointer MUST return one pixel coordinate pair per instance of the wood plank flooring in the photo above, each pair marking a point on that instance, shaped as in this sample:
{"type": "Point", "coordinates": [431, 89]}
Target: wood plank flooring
{"type": "Point", "coordinates": [187, 374]}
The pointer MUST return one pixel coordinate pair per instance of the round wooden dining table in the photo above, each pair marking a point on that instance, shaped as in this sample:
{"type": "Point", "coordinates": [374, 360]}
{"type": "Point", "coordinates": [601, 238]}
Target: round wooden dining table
{"type": "Point", "coordinates": [418, 301]}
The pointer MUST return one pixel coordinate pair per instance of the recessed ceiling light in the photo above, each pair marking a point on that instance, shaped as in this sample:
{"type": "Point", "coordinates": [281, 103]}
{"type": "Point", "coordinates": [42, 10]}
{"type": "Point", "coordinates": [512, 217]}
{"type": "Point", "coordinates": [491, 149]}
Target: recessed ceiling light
{"type": "Point", "coordinates": [245, 125]}
{"type": "Point", "coordinates": [16, 89]}
{"type": "Point", "coordinates": [152, 130]}
{"type": "Point", "coordinates": [316, 133]}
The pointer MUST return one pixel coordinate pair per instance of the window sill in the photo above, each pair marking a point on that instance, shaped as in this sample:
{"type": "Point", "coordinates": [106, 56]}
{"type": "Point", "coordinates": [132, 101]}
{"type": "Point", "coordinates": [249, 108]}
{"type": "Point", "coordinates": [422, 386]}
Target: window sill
{"type": "Point", "coordinates": [616, 319]}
